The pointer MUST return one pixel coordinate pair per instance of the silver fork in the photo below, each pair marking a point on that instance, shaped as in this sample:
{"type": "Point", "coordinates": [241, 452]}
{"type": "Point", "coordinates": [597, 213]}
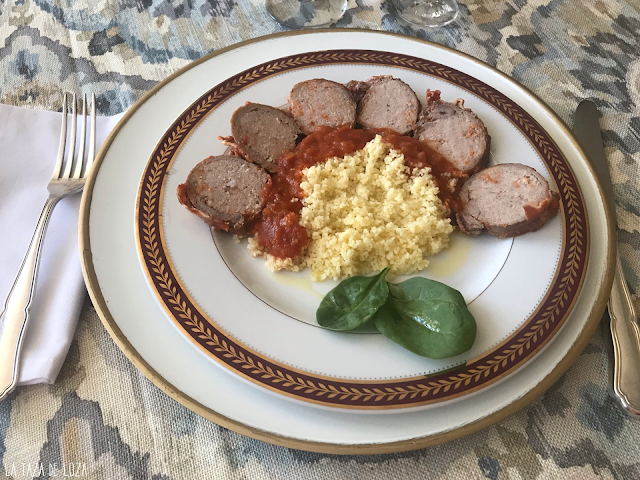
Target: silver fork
{"type": "Point", "coordinates": [69, 176]}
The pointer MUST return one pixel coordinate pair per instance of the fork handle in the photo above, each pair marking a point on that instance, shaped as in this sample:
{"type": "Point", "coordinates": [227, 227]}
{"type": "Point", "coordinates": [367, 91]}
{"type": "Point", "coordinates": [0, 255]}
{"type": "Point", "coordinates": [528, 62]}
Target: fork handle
{"type": "Point", "coordinates": [14, 317]}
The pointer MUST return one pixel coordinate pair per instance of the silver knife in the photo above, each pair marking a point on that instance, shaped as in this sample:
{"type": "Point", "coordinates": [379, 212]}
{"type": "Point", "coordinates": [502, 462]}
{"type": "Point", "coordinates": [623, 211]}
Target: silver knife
{"type": "Point", "coordinates": [625, 330]}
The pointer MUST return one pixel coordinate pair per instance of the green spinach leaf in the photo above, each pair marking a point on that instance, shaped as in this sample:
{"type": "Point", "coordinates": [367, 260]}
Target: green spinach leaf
{"type": "Point", "coordinates": [353, 302]}
{"type": "Point", "coordinates": [427, 317]}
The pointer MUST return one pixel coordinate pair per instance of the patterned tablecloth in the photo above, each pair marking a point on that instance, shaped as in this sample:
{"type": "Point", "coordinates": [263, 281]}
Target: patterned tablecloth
{"type": "Point", "coordinates": [563, 50]}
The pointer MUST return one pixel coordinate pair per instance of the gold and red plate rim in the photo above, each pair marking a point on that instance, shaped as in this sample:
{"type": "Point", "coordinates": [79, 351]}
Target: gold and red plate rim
{"type": "Point", "coordinates": [478, 373]}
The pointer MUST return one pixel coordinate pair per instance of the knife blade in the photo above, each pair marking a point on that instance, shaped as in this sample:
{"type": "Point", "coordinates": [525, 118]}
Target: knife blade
{"type": "Point", "coordinates": [625, 330]}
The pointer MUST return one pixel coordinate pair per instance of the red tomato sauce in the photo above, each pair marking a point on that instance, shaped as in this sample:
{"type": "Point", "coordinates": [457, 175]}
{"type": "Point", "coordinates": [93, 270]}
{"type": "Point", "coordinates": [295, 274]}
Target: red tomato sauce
{"type": "Point", "coordinates": [279, 231]}
{"type": "Point", "coordinates": [418, 154]}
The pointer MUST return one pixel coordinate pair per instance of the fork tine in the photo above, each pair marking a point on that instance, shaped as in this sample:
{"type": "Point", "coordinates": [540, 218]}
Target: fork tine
{"type": "Point", "coordinates": [83, 138]}
{"type": "Point", "coordinates": [92, 136]}
{"type": "Point", "coordinates": [63, 139]}
{"type": "Point", "coordinates": [72, 141]}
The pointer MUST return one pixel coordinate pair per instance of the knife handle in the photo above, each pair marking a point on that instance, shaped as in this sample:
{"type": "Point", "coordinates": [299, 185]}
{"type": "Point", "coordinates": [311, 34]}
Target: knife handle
{"type": "Point", "coordinates": [625, 332]}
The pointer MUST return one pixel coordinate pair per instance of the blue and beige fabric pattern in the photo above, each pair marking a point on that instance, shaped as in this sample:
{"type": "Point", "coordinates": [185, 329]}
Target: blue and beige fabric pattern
{"type": "Point", "coordinates": [126, 428]}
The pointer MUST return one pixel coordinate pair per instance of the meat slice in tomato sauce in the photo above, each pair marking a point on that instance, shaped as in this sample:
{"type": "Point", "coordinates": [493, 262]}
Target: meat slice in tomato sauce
{"type": "Point", "coordinates": [418, 154]}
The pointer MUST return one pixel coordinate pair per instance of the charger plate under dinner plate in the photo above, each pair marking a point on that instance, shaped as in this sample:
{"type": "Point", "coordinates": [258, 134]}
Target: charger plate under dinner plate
{"type": "Point", "coordinates": [259, 325]}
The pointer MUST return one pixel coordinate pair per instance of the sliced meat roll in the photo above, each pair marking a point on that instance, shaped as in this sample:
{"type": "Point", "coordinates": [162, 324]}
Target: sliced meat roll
{"type": "Point", "coordinates": [321, 102]}
{"type": "Point", "coordinates": [388, 103]}
{"type": "Point", "coordinates": [261, 134]}
{"type": "Point", "coordinates": [454, 131]}
{"type": "Point", "coordinates": [357, 88]}
{"type": "Point", "coordinates": [225, 191]}
{"type": "Point", "coordinates": [506, 200]}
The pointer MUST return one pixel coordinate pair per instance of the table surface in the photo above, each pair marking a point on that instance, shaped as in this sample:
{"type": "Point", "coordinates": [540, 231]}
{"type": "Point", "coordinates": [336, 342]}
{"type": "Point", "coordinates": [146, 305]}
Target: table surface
{"type": "Point", "coordinates": [563, 50]}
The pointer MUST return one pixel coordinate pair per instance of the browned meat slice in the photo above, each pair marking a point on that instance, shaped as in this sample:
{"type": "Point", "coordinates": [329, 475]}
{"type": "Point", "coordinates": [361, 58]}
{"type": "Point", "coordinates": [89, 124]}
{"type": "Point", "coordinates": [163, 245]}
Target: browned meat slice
{"type": "Point", "coordinates": [261, 134]}
{"type": "Point", "coordinates": [225, 191]}
{"type": "Point", "coordinates": [357, 88]}
{"type": "Point", "coordinates": [321, 102]}
{"type": "Point", "coordinates": [506, 200]}
{"type": "Point", "coordinates": [454, 131]}
{"type": "Point", "coordinates": [388, 103]}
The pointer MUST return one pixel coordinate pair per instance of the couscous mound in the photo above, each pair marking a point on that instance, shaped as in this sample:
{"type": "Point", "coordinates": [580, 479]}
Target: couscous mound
{"type": "Point", "coordinates": [364, 212]}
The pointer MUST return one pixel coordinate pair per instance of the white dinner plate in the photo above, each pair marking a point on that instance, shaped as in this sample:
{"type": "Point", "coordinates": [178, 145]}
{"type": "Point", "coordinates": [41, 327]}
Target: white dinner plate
{"type": "Point", "coordinates": [234, 309]}
{"type": "Point", "coordinates": [524, 295]}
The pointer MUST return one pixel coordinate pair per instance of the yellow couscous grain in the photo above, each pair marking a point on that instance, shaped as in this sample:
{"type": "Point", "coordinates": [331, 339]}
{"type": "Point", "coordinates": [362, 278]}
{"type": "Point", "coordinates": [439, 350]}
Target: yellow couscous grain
{"type": "Point", "coordinates": [364, 212]}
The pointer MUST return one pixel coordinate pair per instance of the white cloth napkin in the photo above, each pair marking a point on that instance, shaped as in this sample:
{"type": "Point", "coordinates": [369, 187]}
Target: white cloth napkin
{"type": "Point", "coordinates": [28, 149]}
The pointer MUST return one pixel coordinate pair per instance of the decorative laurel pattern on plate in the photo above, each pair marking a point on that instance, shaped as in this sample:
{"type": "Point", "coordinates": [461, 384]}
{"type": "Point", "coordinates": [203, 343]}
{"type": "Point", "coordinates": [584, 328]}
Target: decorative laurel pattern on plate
{"type": "Point", "coordinates": [374, 394]}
